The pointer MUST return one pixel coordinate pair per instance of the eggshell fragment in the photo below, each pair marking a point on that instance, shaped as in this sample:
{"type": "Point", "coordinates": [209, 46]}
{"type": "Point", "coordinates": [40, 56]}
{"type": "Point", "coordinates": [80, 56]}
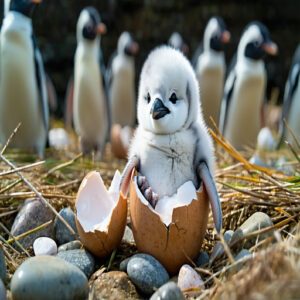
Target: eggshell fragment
{"type": "Point", "coordinates": [100, 235]}
{"type": "Point", "coordinates": [172, 245]}
{"type": "Point", "coordinates": [120, 140]}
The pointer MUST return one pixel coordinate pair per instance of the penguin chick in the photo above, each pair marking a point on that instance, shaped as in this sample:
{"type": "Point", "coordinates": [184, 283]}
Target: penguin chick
{"type": "Point", "coordinates": [171, 144]}
{"type": "Point", "coordinates": [241, 109]}
{"type": "Point", "coordinates": [121, 77]}
{"type": "Point", "coordinates": [23, 94]}
{"type": "Point", "coordinates": [89, 108]}
{"type": "Point", "coordinates": [210, 67]}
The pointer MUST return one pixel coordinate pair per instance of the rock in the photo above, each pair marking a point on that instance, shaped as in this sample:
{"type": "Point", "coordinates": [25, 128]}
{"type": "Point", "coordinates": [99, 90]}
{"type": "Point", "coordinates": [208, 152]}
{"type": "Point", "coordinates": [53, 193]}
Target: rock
{"type": "Point", "coordinates": [169, 291]}
{"type": "Point", "coordinates": [123, 264]}
{"type": "Point", "coordinates": [62, 233]}
{"type": "Point", "coordinates": [128, 236]}
{"type": "Point", "coordinates": [146, 273]}
{"type": "Point", "coordinates": [114, 285]}
{"type": "Point", "coordinates": [2, 291]}
{"type": "Point", "coordinates": [3, 270]}
{"type": "Point", "coordinates": [188, 279]}
{"type": "Point", "coordinates": [228, 235]}
{"type": "Point", "coordinates": [32, 214]}
{"type": "Point", "coordinates": [243, 253]}
{"type": "Point", "coordinates": [202, 259]}
{"type": "Point", "coordinates": [255, 222]}
{"type": "Point", "coordinates": [79, 258]}
{"type": "Point", "coordinates": [70, 246]}
{"type": "Point", "coordinates": [47, 278]}
{"type": "Point", "coordinates": [44, 246]}
{"type": "Point", "coordinates": [218, 249]}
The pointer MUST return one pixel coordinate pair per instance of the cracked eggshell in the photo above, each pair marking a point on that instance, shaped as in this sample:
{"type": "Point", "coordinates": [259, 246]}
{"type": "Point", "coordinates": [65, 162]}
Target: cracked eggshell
{"type": "Point", "coordinates": [118, 147]}
{"type": "Point", "coordinates": [172, 245]}
{"type": "Point", "coordinates": [102, 242]}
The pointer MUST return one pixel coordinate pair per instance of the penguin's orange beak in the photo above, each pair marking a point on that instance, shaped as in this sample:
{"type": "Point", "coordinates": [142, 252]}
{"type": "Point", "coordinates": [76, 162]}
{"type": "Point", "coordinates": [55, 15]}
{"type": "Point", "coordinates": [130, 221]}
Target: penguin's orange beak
{"type": "Point", "coordinates": [101, 28]}
{"type": "Point", "coordinates": [134, 48]}
{"type": "Point", "coordinates": [36, 1]}
{"type": "Point", "coordinates": [225, 37]}
{"type": "Point", "coordinates": [270, 48]}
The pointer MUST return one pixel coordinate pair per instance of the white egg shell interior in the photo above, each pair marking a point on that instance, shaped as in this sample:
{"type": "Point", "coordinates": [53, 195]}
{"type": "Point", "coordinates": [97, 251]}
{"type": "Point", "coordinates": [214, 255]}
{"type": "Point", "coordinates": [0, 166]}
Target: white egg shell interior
{"type": "Point", "coordinates": [95, 203]}
{"type": "Point", "coordinates": [185, 194]}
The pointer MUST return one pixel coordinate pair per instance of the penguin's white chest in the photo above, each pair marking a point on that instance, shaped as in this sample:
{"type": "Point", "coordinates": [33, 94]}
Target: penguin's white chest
{"type": "Point", "coordinates": [294, 115]}
{"type": "Point", "coordinates": [90, 117]}
{"type": "Point", "coordinates": [211, 81]}
{"type": "Point", "coordinates": [167, 161]}
{"type": "Point", "coordinates": [123, 93]}
{"type": "Point", "coordinates": [19, 98]}
{"type": "Point", "coordinates": [244, 115]}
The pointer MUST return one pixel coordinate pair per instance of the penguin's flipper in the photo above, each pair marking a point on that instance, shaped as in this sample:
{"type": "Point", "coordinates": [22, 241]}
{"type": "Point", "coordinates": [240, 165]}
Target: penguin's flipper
{"type": "Point", "coordinates": [68, 115]}
{"type": "Point", "coordinates": [228, 90]}
{"type": "Point", "coordinates": [132, 164]}
{"type": "Point", "coordinates": [208, 181]}
{"type": "Point", "coordinates": [42, 86]}
{"type": "Point", "coordinates": [196, 55]}
{"type": "Point", "coordinates": [290, 89]}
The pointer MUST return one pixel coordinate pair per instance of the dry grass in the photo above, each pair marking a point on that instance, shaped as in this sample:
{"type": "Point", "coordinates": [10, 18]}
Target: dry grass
{"type": "Point", "coordinates": [273, 272]}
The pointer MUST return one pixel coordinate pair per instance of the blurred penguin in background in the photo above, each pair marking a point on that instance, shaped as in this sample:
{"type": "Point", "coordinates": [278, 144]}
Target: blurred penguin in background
{"type": "Point", "coordinates": [242, 105]}
{"type": "Point", "coordinates": [176, 41]}
{"type": "Point", "coordinates": [86, 96]}
{"type": "Point", "coordinates": [121, 81]}
{"type": "Point", "coordinates": [291, 102]}
{"type": "Point", "coordinates": [209, 64]}
{"type": "Point", "coordinates": [23, 93]}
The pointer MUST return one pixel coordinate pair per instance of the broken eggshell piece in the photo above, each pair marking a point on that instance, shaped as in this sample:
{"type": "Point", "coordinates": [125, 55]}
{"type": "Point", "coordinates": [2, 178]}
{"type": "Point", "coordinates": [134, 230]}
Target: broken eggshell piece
{"type": "Point", "coordinates": [101, 214]}
{"type": "Point", "coordinates": [173, 233]}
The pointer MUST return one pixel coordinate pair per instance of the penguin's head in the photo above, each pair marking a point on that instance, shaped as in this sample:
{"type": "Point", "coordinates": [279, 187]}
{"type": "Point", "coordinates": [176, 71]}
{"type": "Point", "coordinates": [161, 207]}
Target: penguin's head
{"type": "Point", "coordinates": [216, 36]}
{"type": "Point", "coordinates": [89, 25]}
{"type": "Point", "coordinates": [176, 41]}
{"type": "Point", "coordinates": [127, 45]}
{"type": "Point", "coordinates": [168, 99]}
{"type": "Point", "coordinates": [24, 7]}
{"type": "Point", "coordinates": [256, 42]}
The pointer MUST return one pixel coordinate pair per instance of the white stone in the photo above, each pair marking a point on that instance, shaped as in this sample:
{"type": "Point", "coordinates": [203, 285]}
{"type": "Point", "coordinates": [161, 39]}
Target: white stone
{"type": "Point", "coordinates": [44, 246]}
{"type": "Point", "coordinates": [188, 278]}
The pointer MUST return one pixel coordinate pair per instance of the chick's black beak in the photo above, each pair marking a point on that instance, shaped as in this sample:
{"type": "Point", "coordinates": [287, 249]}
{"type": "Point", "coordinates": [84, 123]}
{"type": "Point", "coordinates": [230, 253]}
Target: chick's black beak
{"type": "Point", "coordinates": [158, 110]}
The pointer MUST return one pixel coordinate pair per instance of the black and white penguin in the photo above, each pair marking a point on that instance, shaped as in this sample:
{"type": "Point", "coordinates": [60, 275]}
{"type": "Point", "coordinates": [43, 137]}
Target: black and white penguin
{"type": "Point", "coordinates": [291, 103]}
{"type": "Point", "coordinates": [87, 95]}
{"type": "Point", "coordinates": [210, 66]}
{"type": "Point", "coordinates": [241, 110]}
{"type": "Point", "coordinates": [121, 81]}
{"type": "Point", "coordinates": [23, 94]}
{"type": "Point", "coordinates": [176, 41]}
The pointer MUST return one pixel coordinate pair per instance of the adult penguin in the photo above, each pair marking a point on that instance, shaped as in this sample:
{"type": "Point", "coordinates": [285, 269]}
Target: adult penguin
{"type": "Point", "coordinates": [241, 110]}
{"type": "Point", "coordinates": [23, 95]}
{"type": "Point", "coordinates": [121, 80]}
{"type": "Point", "coordinates": [291, 103]}
{"type": "Point", "coordinates": [209, 64]}
{"type": "Point", "coordinates": [86, 94]}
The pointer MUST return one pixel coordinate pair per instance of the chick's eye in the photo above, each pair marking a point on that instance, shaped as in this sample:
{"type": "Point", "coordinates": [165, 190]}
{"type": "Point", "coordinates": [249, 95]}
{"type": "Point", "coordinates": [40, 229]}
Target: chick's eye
{"type": "Point", "coordinates": [173, 98]}
{"type": "Point", "coordinates": [148, 98]}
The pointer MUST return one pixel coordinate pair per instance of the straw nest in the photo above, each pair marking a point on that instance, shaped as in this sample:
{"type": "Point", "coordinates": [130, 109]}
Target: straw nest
{"type": "Point", "coordinates": [272, 272]}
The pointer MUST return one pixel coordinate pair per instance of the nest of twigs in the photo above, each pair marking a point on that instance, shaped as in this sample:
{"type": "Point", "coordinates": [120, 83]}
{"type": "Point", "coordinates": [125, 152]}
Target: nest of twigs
{"type": "Point", "coordinates": [272, 272]}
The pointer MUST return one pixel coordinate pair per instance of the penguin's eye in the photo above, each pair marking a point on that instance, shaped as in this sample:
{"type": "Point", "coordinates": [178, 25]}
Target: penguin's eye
{"type": "Point", "coordinates": [173, 98]}
{"type": "Point", "coordinates": [256, 44]}
{"type": "Point", "coordinates": [148, 98]}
